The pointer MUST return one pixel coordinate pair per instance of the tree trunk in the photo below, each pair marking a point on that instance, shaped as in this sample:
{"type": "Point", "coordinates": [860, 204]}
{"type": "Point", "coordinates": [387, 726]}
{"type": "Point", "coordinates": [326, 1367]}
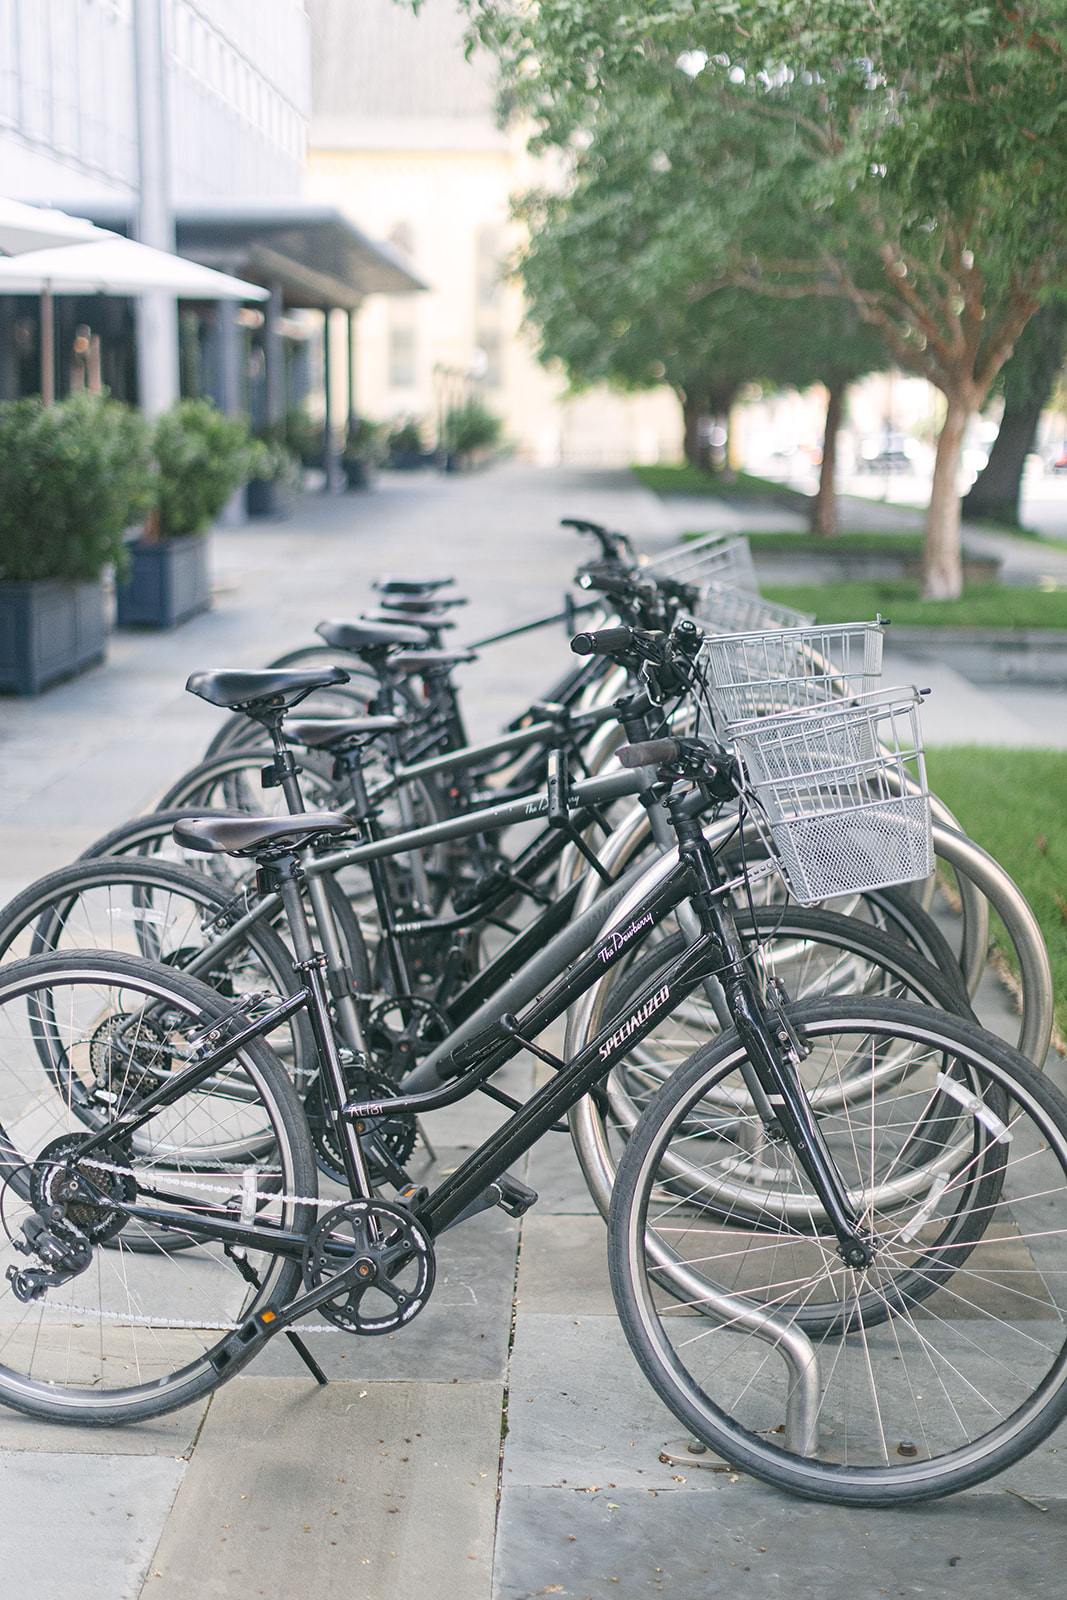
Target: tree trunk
{"type": "Point", "coordinates": [823, 513]}
{"type": "Point", "coordinates": [942, 567]}
{"type": "Point", "coordinates": [1028, 380]}
{"type": "Point", "coordinates": [694, 447]}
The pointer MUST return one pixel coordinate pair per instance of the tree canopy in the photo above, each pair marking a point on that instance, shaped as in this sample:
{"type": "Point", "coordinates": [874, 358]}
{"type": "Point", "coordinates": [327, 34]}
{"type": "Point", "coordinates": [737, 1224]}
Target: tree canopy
{"type": "Point", "coordinates": [615, 268]}
{"type": "Point", "coordinates": [915, 148]}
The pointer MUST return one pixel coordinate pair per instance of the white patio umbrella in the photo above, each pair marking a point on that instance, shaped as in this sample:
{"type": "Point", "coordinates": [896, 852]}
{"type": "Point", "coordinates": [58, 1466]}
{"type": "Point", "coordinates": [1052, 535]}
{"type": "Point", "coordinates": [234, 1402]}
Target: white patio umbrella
{"type": "Point", "coordinates": [112, 265]}
{"type": "Point", "coordinates": [116, 266]}
{"type": "Point", "coordinates": [24, 227]}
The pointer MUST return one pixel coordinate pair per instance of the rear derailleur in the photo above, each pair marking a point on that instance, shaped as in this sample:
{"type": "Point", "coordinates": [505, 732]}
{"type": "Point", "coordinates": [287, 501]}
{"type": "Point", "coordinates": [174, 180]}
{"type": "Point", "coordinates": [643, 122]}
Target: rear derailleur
{"type": "Point", "coordinates": [74, 1208]}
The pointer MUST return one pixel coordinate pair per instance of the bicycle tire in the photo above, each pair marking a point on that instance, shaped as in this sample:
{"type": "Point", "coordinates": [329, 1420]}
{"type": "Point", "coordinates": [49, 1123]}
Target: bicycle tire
{"type": "Point", "coordinates": [130, 1338]}
{"type": "Point", "coordinates": [799, 945]}
{"type": "Point", "coordinates": [947, 1388]}
{"type": "Point", "coordinates": [161, 913]}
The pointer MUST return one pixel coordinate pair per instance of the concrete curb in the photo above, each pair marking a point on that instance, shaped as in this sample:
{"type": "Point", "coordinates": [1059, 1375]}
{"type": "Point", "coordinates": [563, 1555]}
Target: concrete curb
{"type": "Point", "coordinates": [990, 655]}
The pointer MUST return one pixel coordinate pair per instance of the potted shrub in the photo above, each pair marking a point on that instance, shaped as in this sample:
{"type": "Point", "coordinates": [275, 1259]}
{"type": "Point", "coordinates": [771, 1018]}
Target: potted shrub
{"type": "Point", "coordinates": [276, 480]}
{"type": "Point", "coordinates": [471, 433]}
{"type": "Point", "coordinates": [201, 456]}
{"type": "Point", "coordinates": [404, 447]}
{"type": "Point", "coordinates": [73, 477]}
{"type": "Point", "coordinates": [305, 438]}
{"type": "Point", "coordinates": [361, 451]}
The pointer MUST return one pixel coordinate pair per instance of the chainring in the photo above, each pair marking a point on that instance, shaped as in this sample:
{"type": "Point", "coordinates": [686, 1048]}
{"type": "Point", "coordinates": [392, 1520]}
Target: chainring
{"type": "Point", "coordinates": [55, 1191]}
{"type": "Point", "coordinates": [390, 1255]}
{"type": "Point", "coordinates": [396, 1133]}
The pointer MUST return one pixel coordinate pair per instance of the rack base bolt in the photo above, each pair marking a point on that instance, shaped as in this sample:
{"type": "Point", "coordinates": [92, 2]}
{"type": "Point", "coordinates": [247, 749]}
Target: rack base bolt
{"type": "Point", "coordinates": [695, 1448]}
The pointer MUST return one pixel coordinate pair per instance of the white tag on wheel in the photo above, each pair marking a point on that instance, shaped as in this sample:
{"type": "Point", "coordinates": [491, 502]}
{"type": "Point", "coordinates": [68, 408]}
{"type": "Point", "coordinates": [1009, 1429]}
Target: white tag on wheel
{"type": "Point", "coordinates": [976, 1106]}
{"type": "Point", "coordinates": [249, 1195]}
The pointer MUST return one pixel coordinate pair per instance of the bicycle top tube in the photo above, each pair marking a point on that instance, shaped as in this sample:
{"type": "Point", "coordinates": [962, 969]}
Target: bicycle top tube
{"type": "Point", "coordinates": [589, 792]}
{"type": "Point", "coordinates": [538, 622]}
{"type": "Point", "coordinates": [471, 755]}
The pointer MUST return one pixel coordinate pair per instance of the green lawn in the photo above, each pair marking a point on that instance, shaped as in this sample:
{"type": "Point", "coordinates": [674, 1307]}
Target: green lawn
{"type": "Point", "coordinates": [843, 544]}
{"type": "Point", "coordinates": [1014, 804]}
{"type": "Point", "coordinates": [686, 479]}
{"type": "Point", "coordinates": [982, 606]}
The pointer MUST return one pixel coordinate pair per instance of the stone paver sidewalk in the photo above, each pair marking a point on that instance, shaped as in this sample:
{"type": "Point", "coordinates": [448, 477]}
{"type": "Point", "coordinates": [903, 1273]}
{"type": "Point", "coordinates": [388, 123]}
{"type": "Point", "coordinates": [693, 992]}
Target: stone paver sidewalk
{"type": "Point", "coordinates": [395, 1480]}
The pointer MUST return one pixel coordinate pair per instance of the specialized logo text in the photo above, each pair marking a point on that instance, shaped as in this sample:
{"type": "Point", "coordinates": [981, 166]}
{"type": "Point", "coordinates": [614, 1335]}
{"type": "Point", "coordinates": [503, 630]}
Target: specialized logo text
{"type": "Point", "coordinates": [633, 1023]}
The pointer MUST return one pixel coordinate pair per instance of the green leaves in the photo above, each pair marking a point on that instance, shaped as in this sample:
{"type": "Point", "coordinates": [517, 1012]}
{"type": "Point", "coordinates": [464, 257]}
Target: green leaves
{"type": "Point", "coordinates": [202, 457]}
{"type": "Point", "coordinates": [73, 477]}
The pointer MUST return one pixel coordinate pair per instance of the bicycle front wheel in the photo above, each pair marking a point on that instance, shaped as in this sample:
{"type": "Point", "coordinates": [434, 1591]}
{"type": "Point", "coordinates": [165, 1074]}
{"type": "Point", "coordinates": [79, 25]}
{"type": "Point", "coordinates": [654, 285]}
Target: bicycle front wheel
{"type": "Point", "coordinates": [134, 1331]}
{"type": "Point", "coordinates": [930, 1370]}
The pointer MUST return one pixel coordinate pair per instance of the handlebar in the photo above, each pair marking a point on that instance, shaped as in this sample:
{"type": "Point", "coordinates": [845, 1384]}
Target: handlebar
{"type": "Point", "coordinates": [652, 753]}
{"type": "Point", "coordinates": [607, 641]}
{"type": "Point", "coordinates": [714, 769]}
{"type": "Point", "coordinates": [616, 546]}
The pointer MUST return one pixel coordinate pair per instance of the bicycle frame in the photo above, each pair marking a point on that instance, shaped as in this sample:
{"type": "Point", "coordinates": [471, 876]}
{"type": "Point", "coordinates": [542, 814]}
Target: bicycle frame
{"type": "Point", "coordinates": [770, 1077]}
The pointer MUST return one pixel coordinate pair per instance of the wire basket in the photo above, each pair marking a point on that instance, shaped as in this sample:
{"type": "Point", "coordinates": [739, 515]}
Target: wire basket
{"type": "Point", "coordinates": [725, 610]}
{"type": "Point", "coordinates": [844, 791]}
{"type": "Point", "coordinates": [720, 558]}
{"type": "Point", "coordinates": [756, 674]}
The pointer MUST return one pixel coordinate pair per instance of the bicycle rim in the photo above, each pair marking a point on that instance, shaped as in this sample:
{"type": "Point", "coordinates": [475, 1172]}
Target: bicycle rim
{"type": "Point", "coordinates": [137, 1331]}
{"type": "Point", "coordinates": [931, 1370]}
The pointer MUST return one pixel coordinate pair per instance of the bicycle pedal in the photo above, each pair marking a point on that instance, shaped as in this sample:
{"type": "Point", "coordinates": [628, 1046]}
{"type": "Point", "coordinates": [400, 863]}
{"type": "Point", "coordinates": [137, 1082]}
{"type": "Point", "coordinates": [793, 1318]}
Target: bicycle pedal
{"type": "Point", "coordinates": [512, 1196]}
{"type": "Point", "coordinates": [411, 1198]}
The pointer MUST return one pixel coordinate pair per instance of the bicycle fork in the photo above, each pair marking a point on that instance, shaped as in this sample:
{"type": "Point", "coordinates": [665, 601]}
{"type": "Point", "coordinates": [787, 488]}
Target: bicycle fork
{"type": "Point", "coordinates": [773, 1052]}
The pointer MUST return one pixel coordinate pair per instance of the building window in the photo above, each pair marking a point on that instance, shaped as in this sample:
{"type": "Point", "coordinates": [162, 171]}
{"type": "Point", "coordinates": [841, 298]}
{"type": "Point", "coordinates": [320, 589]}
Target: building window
{"type": "Point", "coordinates": [401, 347]}
{"type": "Point", "coordinates": [489, 264]}
{"type": "Point", "coordinates": [492, 346]}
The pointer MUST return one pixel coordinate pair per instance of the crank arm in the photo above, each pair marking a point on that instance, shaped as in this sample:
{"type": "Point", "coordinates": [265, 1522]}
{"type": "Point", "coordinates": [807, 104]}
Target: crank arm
{"type": "Point", "coordinates": [247, 1340]}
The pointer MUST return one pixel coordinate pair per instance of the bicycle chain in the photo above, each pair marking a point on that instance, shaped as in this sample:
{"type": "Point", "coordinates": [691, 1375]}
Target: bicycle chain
{"type": "Point", "coordinates": [178, 1322]}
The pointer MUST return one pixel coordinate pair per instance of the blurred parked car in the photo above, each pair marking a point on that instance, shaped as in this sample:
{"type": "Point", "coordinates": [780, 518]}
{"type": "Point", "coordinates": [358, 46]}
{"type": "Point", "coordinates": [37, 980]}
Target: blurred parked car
{"type": "Point", "coordinates": [889, 453]}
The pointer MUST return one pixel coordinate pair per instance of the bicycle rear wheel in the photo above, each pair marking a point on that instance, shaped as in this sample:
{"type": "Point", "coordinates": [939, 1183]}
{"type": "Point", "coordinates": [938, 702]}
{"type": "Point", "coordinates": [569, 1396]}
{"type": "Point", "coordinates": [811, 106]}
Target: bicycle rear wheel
{"type": "Point", "coordinates": [163, 913]}
{"type": "Point", "coordinates": [927, 1372]}
{"type": "Point", "coordinates": [136, 1332]}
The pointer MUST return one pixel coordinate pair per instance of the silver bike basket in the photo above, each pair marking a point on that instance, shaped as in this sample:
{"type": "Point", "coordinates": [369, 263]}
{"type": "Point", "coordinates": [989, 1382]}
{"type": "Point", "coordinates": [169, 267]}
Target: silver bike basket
{"type": "Point", "coordinates": [755, 674]}
{"type": "Point", "coordinates": [722, 609]}
{"type": "Point", "coordinates": [844, 791]}
{"type": "Point", "coordinates": [720, 558]}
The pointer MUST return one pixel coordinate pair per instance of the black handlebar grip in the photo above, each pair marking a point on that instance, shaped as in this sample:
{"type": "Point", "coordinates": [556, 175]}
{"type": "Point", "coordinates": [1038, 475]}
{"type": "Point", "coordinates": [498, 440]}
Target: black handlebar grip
{"type": "Point", "coordinates": [608, 583]}
{"type": "Point", "coordinates": [653, 753]}
{"type": "Point", "coordinates": [604, 642]}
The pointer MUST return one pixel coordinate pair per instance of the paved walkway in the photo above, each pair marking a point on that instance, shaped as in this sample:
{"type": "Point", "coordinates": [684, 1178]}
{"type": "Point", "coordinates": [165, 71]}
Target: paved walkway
{"type": "Point", "coordinates": [392, 1481]}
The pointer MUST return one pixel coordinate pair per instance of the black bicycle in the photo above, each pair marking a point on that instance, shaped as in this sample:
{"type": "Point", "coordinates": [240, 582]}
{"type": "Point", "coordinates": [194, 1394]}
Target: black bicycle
{"type": "Point", "coordinates": [835, 1241]}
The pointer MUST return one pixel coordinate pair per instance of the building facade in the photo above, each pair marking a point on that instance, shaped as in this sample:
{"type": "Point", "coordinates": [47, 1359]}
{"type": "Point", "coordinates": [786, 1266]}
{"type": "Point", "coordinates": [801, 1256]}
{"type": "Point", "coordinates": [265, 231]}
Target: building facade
{"type": "Point", "coordinates": [184, 124]}
{"type": "Point", "coordinates": [404, 135]}
{"type": "Point", "coordinates": [236, 99]}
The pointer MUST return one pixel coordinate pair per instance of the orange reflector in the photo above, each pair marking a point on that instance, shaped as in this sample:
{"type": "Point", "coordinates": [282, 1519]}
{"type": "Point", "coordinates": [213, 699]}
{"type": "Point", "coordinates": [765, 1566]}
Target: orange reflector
{"type": "Point", "coordinates": [268, 1316]}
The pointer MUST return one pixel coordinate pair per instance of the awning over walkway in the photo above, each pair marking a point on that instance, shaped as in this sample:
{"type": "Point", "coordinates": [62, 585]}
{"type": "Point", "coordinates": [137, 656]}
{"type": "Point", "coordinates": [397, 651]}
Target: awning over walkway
{"type": "Point", "coordinates": [320, 257]}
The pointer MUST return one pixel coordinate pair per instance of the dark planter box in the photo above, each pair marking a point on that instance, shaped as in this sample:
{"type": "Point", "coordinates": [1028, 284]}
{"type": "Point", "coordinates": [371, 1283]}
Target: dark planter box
{"type": "Point", "coordinates": [167, 583]}
{"type": "Point", "coordinates": [267, 497]}
{"type": "Point", "coordinates": [359, 474]}
{"type": "Point", "coordinates": [49, 630]}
